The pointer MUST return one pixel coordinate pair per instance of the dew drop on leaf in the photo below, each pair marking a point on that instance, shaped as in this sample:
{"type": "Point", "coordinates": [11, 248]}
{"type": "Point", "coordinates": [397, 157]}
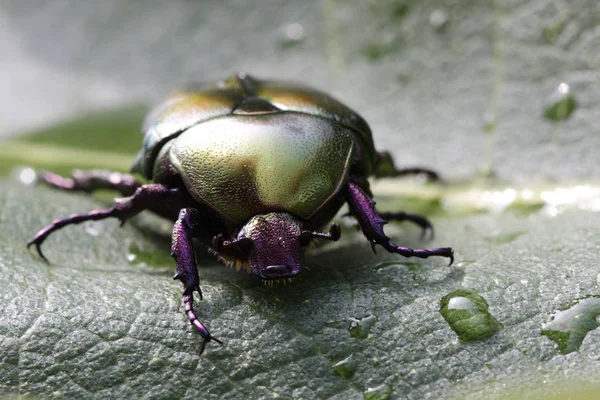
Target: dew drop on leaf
{"type": "Point", "coordinates": [345, 368]}
{"type": "Point", "coordinates": [561, 103]}
{"type": "Point", "coordinates": [568, 327]}
{"type": "Point", "coordinates": [381, 392]}
{"type": "Point", "coordinates": [467, 314]}
{"type": "Point", "coordinates": [438, 19]}
{"type": "Point", "coordinates": [360, 328]}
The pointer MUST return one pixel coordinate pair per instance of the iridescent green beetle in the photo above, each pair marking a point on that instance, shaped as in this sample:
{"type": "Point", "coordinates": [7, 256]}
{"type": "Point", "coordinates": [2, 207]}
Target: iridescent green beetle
{"type": "Point", "coordinates": [254, 169]}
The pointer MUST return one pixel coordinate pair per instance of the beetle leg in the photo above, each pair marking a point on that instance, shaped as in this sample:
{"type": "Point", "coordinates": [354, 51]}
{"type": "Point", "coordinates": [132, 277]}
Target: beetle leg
{"type": "Point", "coordinates": [88, 181]}
{"type": "Point", "coordinates": [126, 207]}
{"type": "Point", "coordinates": [334, 234]}
{"type": "Point", "coordinates": [414, 218]}
{"type": "Point", "coordinates": [386, 169]}
{"type": "Point", "coordinates": [363, 208]}
{"type": "Point", "coordinates": [182, 251]}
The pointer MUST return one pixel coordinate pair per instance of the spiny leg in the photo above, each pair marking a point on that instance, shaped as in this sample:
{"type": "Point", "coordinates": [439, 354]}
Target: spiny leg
{"type": "Point", "coordinates": [182, 251]}
{"type": "Point", "coordinates": [143, 198]}
{"type": "Point", "coordinates": [386, 169]}
{"type": "Point", "coordinates": [88, 181]}
{"type": "Point", "coordinates": [414, 218]}
{"type": "Point", "coordinates": [363, 208]}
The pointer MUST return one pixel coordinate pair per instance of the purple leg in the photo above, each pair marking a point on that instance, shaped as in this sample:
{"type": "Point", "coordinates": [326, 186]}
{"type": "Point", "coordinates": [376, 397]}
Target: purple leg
{"type": "Point", "coordinates": [334, 235]}
{"type": "Point", "coordinates": [143, 198]}
{"type": "Point", "coordinates": [182, 251]}
{"type": "Point", "coordinates": [386, 169]}
{"type": "Point", "coordinates": [363, 208]}
{"type": "Point", "coordinates": [414, 218]}
{"type": "Point", "coordinates": [88, 181]}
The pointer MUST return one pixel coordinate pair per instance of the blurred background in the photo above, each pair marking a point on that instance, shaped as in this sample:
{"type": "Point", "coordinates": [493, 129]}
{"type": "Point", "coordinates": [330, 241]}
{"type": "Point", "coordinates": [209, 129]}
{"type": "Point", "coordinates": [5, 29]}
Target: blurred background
{"type": "Point", "coordinates": [470, 88]}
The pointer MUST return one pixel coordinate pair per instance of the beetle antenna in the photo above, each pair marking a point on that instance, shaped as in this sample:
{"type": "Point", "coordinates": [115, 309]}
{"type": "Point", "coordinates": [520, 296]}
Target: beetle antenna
{"type": "Point", "coordinates": [334, 234]}
{"type": "Point", "coordinates": [231, 247]}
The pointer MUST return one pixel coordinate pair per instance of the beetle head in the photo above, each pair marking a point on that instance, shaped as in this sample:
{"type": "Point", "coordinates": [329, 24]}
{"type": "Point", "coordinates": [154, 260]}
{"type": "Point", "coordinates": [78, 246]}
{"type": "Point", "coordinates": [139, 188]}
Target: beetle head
{"type": "Point", "coordinates": [276, 250]}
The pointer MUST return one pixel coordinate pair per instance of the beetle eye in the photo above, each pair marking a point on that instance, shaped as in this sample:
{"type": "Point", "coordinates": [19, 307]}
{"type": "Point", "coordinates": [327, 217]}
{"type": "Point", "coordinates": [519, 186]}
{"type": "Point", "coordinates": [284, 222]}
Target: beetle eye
{"type": "Point", "coordinates": [305, 238]}
{"type": "Point", "coordinates": [244, 245]}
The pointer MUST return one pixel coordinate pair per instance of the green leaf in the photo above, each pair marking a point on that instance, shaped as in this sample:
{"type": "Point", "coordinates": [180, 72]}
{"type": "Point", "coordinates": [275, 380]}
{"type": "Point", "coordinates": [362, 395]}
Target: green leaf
{"type": "Point", "coordinates": [466, 93]}
{"type": "Point", "coordinates": [99, 320]}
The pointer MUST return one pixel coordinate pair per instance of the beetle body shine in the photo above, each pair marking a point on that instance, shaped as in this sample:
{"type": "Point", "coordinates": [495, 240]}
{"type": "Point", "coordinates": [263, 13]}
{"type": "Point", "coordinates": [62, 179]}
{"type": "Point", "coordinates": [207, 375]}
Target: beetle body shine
{"type": "Point", "coordinates": [254, 169]}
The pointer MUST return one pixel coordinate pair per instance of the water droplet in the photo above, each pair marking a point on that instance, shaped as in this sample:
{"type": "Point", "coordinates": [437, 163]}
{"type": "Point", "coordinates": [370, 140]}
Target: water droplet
{"type": "Point", "coordinates": [294, 31]}
{"type": "Point", "coordinates": [568, 327]}
{"type": "Point", "coordinates": [131, 257]}
{"type": "Point", "coordinates": [25, 175]}
{"type": "Point", "coordinates": [360, 328]}
{"type": "Point", "coordinates": [292, 34]}
{"type": "Point", "coordinates": [381, 392]}
{"type": "Point", "coordinates": [467, 313]}
{"type": "Point", "coordinates": [561, 104]}
{"type": "Point", "coordinates": [345, 368]}
{"type": "Point", "coordinates": [438, 19]}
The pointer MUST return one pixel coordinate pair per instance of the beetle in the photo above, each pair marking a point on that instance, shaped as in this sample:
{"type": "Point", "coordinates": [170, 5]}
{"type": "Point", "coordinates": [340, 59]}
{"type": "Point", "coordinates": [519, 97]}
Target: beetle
{"type": "Point", "coordinates": [254, 169]}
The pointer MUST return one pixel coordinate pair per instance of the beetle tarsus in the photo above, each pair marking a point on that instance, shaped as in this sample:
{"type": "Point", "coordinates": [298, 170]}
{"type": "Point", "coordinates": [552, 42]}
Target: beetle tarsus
{"type": "Point", "coordinates": [386, 169]}
{"type": "Point", "coordinates": [371, 223]}
{"type": "Point", "coordinates": [123, 209]}
{"type": "Point", "coordinates": [91, 180]}
{"type": "Point", "coordinates": [419, 220]}
{"type": "Point", "coordinates": [419, 253]}
{"type": "Point", "coordinates": [198, 326]}
{"type": "Point", "coordinates": [182, 251]}
{"type": "Point", "coordinates": [431, 175]}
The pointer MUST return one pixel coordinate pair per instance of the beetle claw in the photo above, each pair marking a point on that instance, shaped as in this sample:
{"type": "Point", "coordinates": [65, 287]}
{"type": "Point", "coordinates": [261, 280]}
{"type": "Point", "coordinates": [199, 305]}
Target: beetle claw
{"type": "Point", "coordinates": [206, 340]}
{"type": "Point", "coordinates": [38, 248]}
{"type": "Point", "coordinates": [373, 243]}
{"type": "Point", "coordinates": [451, 257]}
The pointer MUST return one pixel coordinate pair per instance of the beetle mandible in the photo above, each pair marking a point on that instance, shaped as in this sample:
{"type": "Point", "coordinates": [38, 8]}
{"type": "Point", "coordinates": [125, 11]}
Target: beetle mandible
{"type": "Point", "coordinates": [254, 169]}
